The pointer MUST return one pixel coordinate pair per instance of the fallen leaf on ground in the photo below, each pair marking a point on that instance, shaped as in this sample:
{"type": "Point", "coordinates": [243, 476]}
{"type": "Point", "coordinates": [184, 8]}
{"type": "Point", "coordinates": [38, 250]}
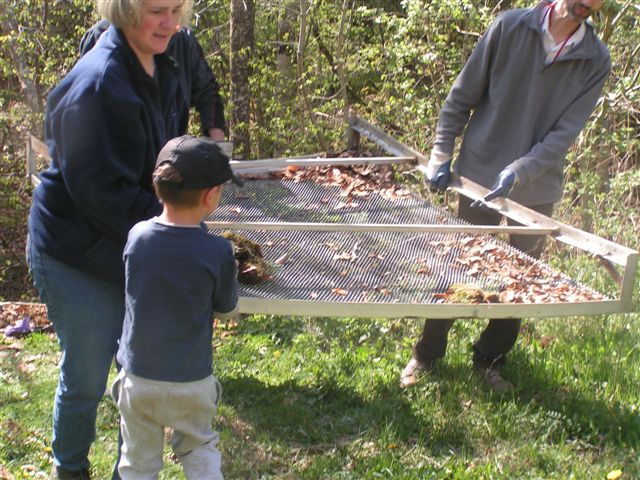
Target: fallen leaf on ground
{"type": "Point", "coordinates": [614, 475]}
{"type": "Point", "coordinates": [282, 259]}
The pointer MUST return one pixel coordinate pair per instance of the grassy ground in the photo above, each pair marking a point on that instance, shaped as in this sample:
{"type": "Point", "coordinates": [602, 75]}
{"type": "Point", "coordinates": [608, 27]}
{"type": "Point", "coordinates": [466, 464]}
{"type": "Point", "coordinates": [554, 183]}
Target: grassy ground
{"type": "Point", "coordinates": [318, 399]}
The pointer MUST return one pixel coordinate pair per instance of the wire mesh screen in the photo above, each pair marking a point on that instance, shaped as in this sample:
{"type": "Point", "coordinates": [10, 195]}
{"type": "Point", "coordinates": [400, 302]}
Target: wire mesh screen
{"type": "Point", "coordinates": [369, 267]}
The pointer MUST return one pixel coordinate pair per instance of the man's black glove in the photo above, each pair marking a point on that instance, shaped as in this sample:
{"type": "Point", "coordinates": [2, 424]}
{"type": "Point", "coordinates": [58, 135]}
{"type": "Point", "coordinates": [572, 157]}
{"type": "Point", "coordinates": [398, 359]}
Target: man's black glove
{"type": "Point", "coordinates": [442, 177]}
{"type": "Point", "coordinates": [501, 187]}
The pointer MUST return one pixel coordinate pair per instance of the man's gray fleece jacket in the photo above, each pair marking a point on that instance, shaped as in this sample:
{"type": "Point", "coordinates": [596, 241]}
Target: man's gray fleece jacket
{"type": "Point", "coordinates": [525, 114]}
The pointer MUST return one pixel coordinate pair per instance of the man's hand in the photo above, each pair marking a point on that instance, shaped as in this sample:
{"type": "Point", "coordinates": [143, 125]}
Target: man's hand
{"type": "Point", "coordinates": [442, 177]}
{"type": "Point", "coordinates": [501, 187]}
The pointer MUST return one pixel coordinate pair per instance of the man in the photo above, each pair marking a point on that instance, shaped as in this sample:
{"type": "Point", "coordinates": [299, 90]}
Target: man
{"type": "Point", "coordinates": [531, 82]}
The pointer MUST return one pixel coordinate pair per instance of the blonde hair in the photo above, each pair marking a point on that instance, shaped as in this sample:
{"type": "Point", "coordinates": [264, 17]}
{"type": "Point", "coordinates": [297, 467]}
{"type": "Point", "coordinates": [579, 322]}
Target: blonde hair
{"type": "Point", "coordinates": [127, 13]}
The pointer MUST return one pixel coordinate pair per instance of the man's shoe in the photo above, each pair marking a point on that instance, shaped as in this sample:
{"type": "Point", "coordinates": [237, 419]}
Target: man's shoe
{"type": "Point", "coordinates": [493, 378]}
{"type": "Point", "coordinates": [413, 371]}
{"type": "Point", "coordinates": [58, 473]}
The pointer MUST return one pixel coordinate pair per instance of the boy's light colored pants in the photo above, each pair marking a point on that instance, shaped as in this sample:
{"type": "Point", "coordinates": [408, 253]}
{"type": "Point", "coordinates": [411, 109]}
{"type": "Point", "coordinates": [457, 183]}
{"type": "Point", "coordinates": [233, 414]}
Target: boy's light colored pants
{"type": "Point", "coordinates": [147, 406]}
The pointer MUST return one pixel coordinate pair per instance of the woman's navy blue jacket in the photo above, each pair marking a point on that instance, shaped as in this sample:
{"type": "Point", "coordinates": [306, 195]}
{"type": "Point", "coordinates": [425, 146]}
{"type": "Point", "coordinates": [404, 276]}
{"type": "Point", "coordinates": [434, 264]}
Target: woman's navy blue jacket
{"type": "Point", "coordinates": [105, 124]}
{"type": "Point", "coordinates": [197, 78]}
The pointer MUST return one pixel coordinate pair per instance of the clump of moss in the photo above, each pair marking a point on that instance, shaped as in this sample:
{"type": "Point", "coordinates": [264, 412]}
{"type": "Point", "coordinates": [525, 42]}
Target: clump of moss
{"type": "Point", "coordinates": [243, 248]}
{"type": "Point", "coordinates": [466, 293]}
{"type": "Point", "coordinates": [252, 268]}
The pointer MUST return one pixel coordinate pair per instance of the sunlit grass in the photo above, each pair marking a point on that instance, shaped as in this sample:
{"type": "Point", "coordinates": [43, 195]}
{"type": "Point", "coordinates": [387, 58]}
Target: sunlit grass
{"type": "Point", "coordinates": [318, 399]}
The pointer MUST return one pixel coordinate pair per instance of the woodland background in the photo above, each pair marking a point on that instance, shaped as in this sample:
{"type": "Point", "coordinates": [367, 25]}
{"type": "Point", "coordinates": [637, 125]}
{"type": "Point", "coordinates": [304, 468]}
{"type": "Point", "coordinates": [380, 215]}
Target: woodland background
{"type": "Point", "coordinates": [291, 72]}
{"type": "Point", "coordinates": [318, 398]}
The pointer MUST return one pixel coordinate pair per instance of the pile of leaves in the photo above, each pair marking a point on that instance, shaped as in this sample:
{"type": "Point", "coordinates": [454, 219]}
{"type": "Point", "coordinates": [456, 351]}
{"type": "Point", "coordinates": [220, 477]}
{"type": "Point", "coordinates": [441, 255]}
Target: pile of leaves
{"type": "Point", "coordinates": [354, 181]}
{"type": "Point", "coordinates": [19, 319]}
{"type": "Point", "coordinates": [10, 313]}
{"type": "Point", "coordinates": [523, 280]}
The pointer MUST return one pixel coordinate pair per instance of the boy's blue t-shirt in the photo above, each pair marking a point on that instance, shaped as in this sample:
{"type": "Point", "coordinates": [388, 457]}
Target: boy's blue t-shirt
{"type": "Point", "coordinates": [176, 278]}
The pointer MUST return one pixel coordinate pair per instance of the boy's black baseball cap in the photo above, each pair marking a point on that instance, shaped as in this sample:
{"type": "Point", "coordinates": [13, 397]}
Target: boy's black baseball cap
{"type": "Point", "coordinates": [200, 162]}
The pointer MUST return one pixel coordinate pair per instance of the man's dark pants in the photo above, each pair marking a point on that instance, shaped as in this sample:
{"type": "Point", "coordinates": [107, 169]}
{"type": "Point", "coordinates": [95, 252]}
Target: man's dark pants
{"type": "Point", "coordinates": [500, 335]}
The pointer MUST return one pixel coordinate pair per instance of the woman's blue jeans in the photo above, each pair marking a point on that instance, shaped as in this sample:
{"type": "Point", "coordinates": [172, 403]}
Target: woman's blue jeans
{"type": "Point", "coordinates": [87, 314]}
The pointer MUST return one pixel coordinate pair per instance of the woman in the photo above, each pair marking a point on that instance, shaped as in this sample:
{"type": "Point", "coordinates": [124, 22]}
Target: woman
{"type": "Point", "coordinates": [196, 82]}
{"type": "Point", "coordinates": [105, 123]}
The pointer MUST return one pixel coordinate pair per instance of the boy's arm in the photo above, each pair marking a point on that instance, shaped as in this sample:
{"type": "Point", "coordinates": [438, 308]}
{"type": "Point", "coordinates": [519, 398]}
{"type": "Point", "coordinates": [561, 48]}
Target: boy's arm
{"type": "Point", "coordinates": [225, 303]}
{"type": "Point", "coordinates": [223, 317]}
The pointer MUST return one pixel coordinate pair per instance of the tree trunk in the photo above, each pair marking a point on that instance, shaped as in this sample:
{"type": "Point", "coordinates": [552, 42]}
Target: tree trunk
{"type": "Point", "coordinates": [340, 47]}
{"type": "Point", "coordinates": [286, 42]}
{"type": "Point", "coordinates": [300, 58]}
{"type": "Point", "coordinates": [23, 71]}
{"type": "Point", "coordinates": [286, 75]}
{"type": "Point", "coordinates": [242, 43]}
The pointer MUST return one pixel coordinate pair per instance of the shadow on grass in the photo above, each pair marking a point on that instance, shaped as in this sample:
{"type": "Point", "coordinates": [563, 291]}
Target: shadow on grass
{"type": "Point", "coordinates": [335, 405]}
{"type": "Point", "coordinates": [432, 413]}
{"type": "Point", "coordinates": [346, 331]}
{"type": "Point", "coordinates": [304, 417]}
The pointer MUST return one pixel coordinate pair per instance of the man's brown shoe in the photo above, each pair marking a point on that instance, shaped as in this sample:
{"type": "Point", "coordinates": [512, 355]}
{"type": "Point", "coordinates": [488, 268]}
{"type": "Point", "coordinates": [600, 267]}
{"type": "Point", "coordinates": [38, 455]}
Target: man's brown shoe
{"type": "Point", "coordinates": [493, 378]}
{"type": "Point", "coordinates": [413, 371]}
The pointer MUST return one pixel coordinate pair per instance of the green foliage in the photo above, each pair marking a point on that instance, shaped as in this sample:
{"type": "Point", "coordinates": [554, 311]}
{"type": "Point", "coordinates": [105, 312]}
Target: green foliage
{"type": "Point", "coordinates": [399, 60]}
{"type": "Point", "coordinates": [41, 37]}
{"type": "Point", "coordinates": [46, 36]}
{"type": "Point", "coordinates": [317, 398]}
{"type": "Point", "coordinates": [14, 204]}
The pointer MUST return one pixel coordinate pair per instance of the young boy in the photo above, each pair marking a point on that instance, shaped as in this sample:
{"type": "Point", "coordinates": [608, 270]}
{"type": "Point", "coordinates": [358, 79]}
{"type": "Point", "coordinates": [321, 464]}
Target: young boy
{"type": "Point", "coordinates": [178, 277]}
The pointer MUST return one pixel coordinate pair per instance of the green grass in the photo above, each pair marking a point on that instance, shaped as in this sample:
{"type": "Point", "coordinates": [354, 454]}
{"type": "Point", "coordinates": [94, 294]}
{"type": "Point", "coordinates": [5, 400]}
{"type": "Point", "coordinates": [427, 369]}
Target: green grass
{"type": "Point", "coordinates": [318, 399]}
